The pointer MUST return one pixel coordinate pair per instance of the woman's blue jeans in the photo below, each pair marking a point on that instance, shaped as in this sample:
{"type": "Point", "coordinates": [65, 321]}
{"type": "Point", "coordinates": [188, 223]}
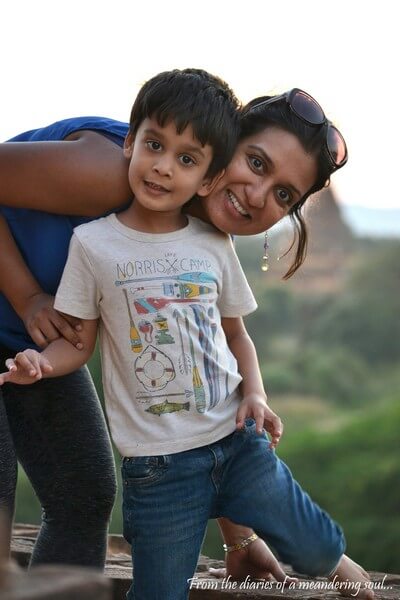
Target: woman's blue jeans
{"type": "Point", "coordinates": [168, 501]}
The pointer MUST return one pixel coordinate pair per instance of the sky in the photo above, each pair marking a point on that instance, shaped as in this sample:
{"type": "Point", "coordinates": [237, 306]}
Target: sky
{"type": "Point", "coordinates": [64, 58]}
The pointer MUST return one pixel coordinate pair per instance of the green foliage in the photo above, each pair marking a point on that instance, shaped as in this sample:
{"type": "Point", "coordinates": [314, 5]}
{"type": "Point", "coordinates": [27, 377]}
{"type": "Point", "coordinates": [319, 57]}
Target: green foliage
{"type": "Point", "coordinates": [365, 318]}
{"type": "Point", "coordinates": [354, 474]}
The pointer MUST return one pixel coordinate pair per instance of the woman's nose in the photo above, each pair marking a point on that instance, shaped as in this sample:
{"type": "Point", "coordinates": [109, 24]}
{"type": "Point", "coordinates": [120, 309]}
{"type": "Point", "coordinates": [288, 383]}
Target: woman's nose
{"type": "Point", "coordinates": [256, 196]}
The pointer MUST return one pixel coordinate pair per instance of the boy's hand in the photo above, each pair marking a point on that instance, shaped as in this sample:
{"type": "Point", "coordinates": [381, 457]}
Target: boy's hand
{"type": "Point", "coordinates": [45, 324]}
{"type": "Point", "coordinates": [255, 406]}
{"type": "Point", "coordinates": [27, 367]}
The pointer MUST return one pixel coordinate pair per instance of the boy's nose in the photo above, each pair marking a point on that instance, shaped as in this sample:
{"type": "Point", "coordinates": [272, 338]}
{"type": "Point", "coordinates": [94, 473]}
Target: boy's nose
{"type": "Point", "coordinates": [163, 167]}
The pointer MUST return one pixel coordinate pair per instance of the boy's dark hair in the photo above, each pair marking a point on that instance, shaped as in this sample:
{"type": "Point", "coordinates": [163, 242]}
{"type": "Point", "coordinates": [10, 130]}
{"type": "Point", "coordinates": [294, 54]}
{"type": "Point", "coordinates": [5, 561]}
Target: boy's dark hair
{"type": "Point", "coordinates": [192, 97]}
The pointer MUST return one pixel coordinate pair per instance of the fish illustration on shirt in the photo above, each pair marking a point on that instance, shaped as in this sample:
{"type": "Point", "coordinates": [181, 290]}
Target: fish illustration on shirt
{"type": "Point", "coordinates": [167, 407]}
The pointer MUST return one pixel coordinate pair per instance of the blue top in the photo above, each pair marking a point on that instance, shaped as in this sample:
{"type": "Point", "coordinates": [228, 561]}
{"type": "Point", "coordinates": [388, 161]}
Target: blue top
{"type": "Point", "coordinates": [43, 238]}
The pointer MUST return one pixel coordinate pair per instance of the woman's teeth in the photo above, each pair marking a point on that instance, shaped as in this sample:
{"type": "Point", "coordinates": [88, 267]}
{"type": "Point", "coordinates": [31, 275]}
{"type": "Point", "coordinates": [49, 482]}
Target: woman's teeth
{"type": "Point", "coordinates": [236, 204]}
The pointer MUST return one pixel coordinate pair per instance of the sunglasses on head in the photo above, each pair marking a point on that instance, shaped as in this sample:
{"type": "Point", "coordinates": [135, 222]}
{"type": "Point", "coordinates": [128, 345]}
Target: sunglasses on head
{"type": "Point", "coordinates": [306, 108]}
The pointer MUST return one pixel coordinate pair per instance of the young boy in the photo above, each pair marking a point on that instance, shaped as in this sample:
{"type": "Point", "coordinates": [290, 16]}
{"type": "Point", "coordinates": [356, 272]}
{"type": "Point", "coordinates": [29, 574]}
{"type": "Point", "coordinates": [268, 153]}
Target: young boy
{"type": "Point", "coordinates": [168, 294]}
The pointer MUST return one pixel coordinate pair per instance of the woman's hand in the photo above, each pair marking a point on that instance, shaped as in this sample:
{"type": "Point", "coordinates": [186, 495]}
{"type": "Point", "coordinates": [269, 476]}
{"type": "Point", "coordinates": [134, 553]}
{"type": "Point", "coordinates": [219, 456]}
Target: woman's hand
{"type": "Point", "coordinates": [45, 324]}
{"type": "Point", "coordinates": [255, 560]}
{"type": "Point", "coordinates": [255, 406]}
{"type": "Point", "coordinates": [26, 368]}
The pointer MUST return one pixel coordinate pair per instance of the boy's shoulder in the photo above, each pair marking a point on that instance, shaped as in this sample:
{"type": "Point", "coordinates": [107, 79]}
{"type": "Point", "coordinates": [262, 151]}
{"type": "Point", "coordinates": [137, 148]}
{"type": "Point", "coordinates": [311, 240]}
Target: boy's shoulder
{"type": "Point", "coordinates": [200, 227]}
{"type": "Point", "coordinates": [92, 228]}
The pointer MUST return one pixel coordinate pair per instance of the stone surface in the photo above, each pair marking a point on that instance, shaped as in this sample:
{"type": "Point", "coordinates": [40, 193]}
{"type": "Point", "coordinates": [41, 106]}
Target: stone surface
{"type": "Point", "coordinates": [55, 583]}
{"type": "Point", "coordinates": [205, 586]}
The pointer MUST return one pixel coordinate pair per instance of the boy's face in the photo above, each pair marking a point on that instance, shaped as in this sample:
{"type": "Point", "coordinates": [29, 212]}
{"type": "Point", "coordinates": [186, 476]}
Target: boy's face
{"type": "Point", "coordinates": [166, 168]}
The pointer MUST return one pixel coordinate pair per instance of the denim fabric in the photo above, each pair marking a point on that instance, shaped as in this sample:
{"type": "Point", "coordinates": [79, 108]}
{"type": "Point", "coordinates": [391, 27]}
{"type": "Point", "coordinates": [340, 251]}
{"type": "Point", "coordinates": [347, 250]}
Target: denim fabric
{"type": "Point", "coordinates": [56, 429]}
{"type": "Point", "coordinates": [169, 499]}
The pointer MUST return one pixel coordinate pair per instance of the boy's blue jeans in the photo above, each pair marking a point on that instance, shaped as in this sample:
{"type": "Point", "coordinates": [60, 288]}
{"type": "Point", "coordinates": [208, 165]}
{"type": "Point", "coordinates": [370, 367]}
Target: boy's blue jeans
{"type": "Point", "coordinates": [168, 500]}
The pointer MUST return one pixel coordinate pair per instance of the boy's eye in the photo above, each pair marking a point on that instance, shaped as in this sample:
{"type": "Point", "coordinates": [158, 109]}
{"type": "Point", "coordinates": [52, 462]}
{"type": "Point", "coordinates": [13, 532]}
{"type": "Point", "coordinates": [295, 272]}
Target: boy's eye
{"type": "Point", "coordinates": [186, 160]}
{"type": "Point", "coordinates": [153, 145]}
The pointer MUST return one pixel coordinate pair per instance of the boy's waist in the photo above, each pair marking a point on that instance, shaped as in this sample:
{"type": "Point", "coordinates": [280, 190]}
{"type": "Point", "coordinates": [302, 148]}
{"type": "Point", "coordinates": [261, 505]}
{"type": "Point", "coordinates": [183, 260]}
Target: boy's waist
{"type": "Point", "coordinates": [135, 438]}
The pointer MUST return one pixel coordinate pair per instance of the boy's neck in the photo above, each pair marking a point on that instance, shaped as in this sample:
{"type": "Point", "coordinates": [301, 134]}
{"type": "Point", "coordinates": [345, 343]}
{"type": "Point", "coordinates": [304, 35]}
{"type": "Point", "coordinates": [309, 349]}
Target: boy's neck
{"type": "Point", "coordinates": [150, 221]}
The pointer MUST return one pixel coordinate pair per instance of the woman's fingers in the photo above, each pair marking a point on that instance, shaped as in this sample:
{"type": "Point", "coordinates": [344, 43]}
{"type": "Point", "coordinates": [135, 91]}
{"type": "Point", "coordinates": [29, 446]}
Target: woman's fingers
{"type": "Point", "coordinates": [37, 336]}
{"type": "Point", "coordinates": [67, 329]}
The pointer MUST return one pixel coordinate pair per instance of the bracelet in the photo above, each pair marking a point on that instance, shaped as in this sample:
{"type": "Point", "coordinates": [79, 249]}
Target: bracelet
{"type": "Point", "coordinates": [252, 538]}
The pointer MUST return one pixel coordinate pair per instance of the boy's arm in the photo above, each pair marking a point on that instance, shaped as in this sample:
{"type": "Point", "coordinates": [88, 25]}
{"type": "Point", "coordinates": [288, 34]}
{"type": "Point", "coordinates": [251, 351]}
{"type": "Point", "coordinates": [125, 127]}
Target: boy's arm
{"type": "Point", "coordinates": [59, 358]}
{"type": "Point", "coordinates": [25, 295]}
{"type": "Point", "coordinates": [86, 174]}
{"type": "Point", "coordinates": [254, 403]}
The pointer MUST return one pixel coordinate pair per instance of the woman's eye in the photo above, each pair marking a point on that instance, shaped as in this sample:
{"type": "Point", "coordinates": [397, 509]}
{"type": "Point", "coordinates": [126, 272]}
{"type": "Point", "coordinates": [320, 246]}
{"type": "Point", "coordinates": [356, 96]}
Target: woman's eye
{"type": "Point", "coordinates": [256, 163]}
{"type": "Point", "coordinates": [153, 145]}
{"type": "Point", "coordinates": [284, 197]}
{"type": "Point", "coordinates": [186, 160]}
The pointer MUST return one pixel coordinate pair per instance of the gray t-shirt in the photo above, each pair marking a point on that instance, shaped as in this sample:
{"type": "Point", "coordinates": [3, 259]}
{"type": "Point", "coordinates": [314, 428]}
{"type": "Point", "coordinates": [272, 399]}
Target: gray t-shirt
{"type": "Point", "coordinates": [170, 380]}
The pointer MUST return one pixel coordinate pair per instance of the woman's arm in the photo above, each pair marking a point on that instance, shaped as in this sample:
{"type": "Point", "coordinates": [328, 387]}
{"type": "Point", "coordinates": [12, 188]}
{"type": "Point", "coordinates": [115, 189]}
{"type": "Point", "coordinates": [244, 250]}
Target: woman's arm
{"type": "Point", "coordinates": [86, 174]}
{"type": "Point", "coordinates": [30, 302]}
{"type": "Point", "coordinates": [255, 559]}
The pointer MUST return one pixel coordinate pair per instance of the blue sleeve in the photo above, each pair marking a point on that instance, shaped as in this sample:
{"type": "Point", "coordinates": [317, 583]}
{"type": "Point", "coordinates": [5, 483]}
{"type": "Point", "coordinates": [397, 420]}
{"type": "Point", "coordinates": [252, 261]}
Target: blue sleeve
{"type": "Point", "coordinates": [61, 129]}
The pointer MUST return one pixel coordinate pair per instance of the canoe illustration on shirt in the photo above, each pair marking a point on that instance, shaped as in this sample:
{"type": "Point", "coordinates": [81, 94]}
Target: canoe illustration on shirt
{"type": "Point", "coordinates": [184, 360]}
{"type": "Point", "coordinates": [154, 369]}
{"type": "Point", "coordinates": [195, 277]}
{"type": "Point", "coordinates": [145, 306]}
{"type": "Point", "coordinates": [171, 290]}
{"type": "Point", "coordinates": [167, 407]}
{"type": "Point", "coordinates": [198, 387]}
{"type": "Point", "coordinates": [206, 336]}
{"type": "Point", "coordinates": [136, 342]}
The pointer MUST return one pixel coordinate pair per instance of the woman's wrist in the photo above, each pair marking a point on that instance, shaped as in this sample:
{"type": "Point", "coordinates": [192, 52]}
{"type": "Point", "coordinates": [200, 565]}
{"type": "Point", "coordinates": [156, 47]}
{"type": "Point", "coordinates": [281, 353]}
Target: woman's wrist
{"type": "Point", "coordinates": [241, 545]}
{"type": "Point", "coordinates": [233, 533]}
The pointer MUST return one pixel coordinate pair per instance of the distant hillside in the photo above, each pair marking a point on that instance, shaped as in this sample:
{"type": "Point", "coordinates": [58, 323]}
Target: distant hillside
{"type": "Point", "coordinates": [372, 221]}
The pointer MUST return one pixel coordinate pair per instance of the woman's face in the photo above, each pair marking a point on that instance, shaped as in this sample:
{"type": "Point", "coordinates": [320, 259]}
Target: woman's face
{"type": "Point", "coordinates": [269, 172]}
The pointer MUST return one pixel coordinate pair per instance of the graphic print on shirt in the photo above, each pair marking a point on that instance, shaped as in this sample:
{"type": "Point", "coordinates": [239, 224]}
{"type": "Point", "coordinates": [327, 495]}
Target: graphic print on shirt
{"type": "Point", "coordinates": [136, 342]}
{"type": "Point", "coordinates": [174, 311]}
{"type": "Point", "coordinates": [154, 369]}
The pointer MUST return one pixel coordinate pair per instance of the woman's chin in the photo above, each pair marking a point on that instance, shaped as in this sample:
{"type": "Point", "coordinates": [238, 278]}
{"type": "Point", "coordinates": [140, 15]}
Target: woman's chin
{"type": "Point", "coordinates": [224, 216]}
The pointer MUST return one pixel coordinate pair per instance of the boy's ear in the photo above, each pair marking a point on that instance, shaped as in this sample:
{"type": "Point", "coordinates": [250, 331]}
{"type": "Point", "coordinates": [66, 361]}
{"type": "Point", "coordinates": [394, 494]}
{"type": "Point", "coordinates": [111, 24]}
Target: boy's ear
{"type": "Point", "coordinates": [209, 184]}
{"type": "Point", "coordinates": [128, 145]}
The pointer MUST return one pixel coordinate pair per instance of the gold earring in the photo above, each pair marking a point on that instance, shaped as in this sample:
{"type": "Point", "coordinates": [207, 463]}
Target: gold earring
{"type": "Point", "coordinates": [265, 263]}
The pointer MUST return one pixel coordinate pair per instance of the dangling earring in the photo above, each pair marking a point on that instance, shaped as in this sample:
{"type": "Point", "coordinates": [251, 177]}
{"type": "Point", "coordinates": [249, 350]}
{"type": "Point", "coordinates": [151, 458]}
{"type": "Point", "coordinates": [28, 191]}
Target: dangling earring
{"type": "Point", "coordinates": [265, 263]}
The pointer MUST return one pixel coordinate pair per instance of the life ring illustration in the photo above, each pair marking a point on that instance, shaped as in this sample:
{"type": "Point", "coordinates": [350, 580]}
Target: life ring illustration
{"type": "Point", "coordinates": [154, 369]}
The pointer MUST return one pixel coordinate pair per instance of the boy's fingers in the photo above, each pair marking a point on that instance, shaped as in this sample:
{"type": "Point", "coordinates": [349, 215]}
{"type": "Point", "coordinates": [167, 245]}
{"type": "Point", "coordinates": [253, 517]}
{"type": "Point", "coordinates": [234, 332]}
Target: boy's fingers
{"type": "Point", "coordinates": [10, 364]}
{"type": "Point", "coordinates": [259, 419]}
{"type": "Point", "coordinates": [240, 416]}
{"type": "Point", "coordinates": [276, 424]}
{"type": "Point", "coordinates": [4, 377]}
{"type": "Point", "coordinates": [45, 365]}
{"type": "Point", "coordinates": [26, 364]}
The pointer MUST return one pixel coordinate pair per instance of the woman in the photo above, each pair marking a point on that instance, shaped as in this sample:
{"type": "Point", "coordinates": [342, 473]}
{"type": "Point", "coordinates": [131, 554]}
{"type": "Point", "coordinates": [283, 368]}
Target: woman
{"type": "Point", "coordinates": [288, 150]}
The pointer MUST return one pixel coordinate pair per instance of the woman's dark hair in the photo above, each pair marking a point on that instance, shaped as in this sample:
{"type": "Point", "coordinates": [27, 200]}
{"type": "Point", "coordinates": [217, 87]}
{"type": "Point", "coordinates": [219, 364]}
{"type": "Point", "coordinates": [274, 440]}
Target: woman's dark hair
{"type": "Point", "coordinates": [256, 117]}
